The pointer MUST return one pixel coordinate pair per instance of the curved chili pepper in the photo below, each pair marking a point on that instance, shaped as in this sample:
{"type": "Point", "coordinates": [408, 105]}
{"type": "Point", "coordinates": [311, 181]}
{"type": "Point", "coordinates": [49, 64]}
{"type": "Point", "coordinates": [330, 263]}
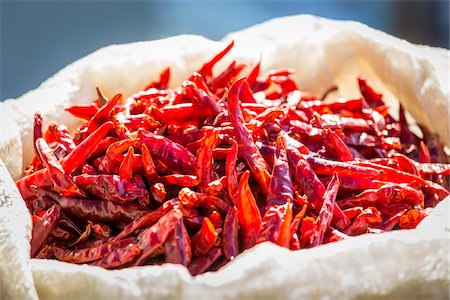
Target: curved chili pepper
{"type": "Point", "coordinates": [181, 180]}
{"type": "Point", "coordinates": [101, 115]}
{"type": "Point", "coordinates": [95, 210]}
{"type": "Point", "coordinates": [149, 166]}
{"type": "Point", "coordinates": [249, 216]}
{"type": "Point", "coordinates": [336, 146]}
{"type": "Point", "coordinates": [126, 167]}
{"type": "Point", "coordinates": [280, 188]}
{"type": "Point", "coordinates": [89, 254]}
{"type": "Point", "coordinates": [119, 257]}
{"type": "Point", "coordinates": [61, 181]}
{"type": "Point", "coordinates": [171, 153]}
{"type": "Point", "coordinates": [326, 211]}
{"type": "Point", "coordinates": [231, 174]}
{"type": "Point", "coordinates": [204, 158]}
{"type": "Point", "coordinates": [206, 69]}
{"type": "Point", "coordinates": [110, 187]}
{"type": "Point", "coordinates": [85, 112]}
{"type": "Point", "coordinates": [230, 235]}
{"type": "Point", "coordinates": [383, 196]}
{"type": "Point", "coordinates": [43, 228]}
{"type": "Point", "coordinates": [244, 138]}
{"type": "Point", "coordinates": [83, 150]}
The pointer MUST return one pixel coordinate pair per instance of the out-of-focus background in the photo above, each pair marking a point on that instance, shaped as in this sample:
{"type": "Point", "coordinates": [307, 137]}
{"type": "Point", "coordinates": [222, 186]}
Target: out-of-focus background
{"type": "Point", "coordinates": [38, 38]}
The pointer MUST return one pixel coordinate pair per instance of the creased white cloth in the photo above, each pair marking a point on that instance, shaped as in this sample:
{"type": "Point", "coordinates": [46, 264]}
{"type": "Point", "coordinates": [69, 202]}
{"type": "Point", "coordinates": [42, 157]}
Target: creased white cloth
{"type": "Point", "coordinates": [401, 265]}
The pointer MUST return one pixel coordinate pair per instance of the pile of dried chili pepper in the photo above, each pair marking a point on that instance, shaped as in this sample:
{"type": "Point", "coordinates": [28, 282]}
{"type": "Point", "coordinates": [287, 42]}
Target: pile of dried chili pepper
{"type": "Point", "coordinates": [196, 174]}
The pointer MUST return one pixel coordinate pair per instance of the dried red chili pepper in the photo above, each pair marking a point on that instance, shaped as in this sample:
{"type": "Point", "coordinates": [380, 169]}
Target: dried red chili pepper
{"type": "Point", "coordinates": [43, 228]}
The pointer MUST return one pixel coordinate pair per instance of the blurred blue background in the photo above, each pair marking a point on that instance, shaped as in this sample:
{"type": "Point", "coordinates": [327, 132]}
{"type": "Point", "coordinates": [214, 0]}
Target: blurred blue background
{"type": "Point", "coordinates": [38, 38]}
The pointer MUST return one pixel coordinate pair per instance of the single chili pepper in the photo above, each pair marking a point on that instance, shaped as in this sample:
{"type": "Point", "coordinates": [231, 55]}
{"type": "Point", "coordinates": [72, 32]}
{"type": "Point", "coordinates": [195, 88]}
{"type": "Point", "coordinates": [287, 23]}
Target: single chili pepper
{"type": "Point", "coordinates": [230, 235]}
{"type": "Point", "coordinates": [370, 96]}
{"type": "Point", "coordinates": [424, 153]}
{"type": "Point", "coordinates": [336, 146]}
{"type": "Point", "coordinates": [231, 174]}
{"type": "Point", "coordinates": [326, 211]}
{"type": "Point", "coordinates": [204, 158]}
{"type": "Point", "coordinates": [43, 228]}
{"type": "Point", "coordinates": [204, 239]}
{"type": "Point", "coordinates": [206, 69]}
{"type": "Point", "coordinates": [243, 137]}
{"type": "Point", "coordinates": [280, 188]}
{"type": "Point", "coordinates": [84, 112]}
{"type": "Point", "coordinates": [275, 225]}
{"type": "Point", "coordinates": [249, 216]}
{"type": "Point", "coordinates": [83, 150]}
{"type": "Point", "coordinates": [156, 235]}
{"type": "Point", "coordinates": [120, 256]}
{"type": "Point", "coordinates": [126, 167]}
{"type": "Point", "coordinates": [89, 254]}
{"type": "Point", "coordinates": [171, 153]}
{"type": "Point", "coordinates": [386, 194]}
{"type": "Point", "coordinates": [181, 180]}
{"type": "Point", "coordinates": [202, 263]}
{"type": "Point", "coordinates": [101, 115]}
{"type": "Point", "coordinates": [95, 210]}
{"type": "Point", "coordinates": [178, 245]}
{"type": "Point", "coordinates": [149, 166]}
{"type": "Point", "coordinates": [61, 181]}
{"type": "Point", "coordinates": [111, 187]}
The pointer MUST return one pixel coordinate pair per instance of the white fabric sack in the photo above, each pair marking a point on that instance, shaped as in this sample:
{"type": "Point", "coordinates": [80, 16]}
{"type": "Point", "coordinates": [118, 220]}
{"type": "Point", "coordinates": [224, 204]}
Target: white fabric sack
{"type": "Point", "coordinates": [403, 264]}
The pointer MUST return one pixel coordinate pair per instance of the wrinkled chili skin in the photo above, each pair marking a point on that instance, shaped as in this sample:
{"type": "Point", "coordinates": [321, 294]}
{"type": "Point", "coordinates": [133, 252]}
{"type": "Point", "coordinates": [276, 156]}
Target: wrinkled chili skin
{"type": "Point", "coordinates": [198, 173]}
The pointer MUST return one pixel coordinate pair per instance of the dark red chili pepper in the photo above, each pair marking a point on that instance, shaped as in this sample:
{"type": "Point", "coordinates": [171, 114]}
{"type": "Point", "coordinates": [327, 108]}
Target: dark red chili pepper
{"type": "Point", "coordinates": [95, 210]}
{"type": "Point", "coordinates": [244, 138]}
{"type": "Point", "coordinates": [172, 154]}
{"type": "Point", "coordinates": [89, 254]}
{"type": "Point", "coordinates": [43, 228]}
{"type": "Point", "coordinates": [110, 187]}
